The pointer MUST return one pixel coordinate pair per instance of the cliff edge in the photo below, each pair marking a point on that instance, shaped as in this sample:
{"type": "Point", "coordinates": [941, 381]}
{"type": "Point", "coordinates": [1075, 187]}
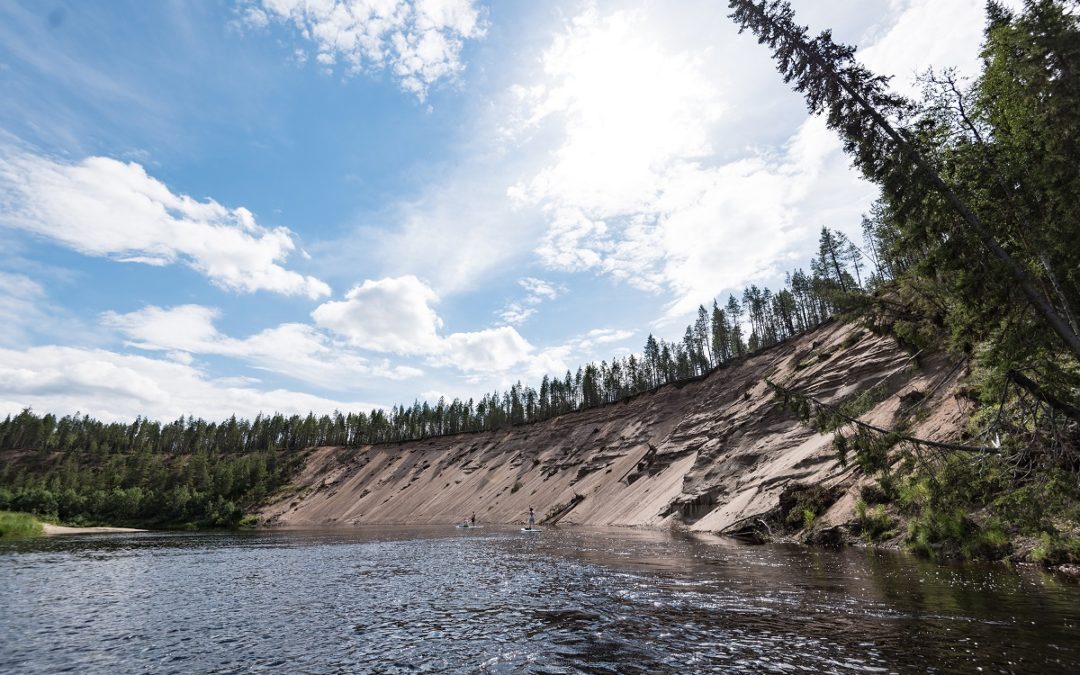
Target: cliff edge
{"type": "Point", "coordinates": [708, 455]}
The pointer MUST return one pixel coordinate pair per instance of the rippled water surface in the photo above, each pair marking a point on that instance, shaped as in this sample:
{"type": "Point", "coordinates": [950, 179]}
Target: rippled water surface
{"type": "Point", "coordinates": [488, 600]}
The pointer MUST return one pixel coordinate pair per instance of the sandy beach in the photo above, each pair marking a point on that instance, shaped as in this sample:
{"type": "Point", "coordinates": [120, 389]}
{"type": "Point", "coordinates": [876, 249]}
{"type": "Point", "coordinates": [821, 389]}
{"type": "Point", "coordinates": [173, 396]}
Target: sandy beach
{"type": "Point", "coordinates": [60, 529]}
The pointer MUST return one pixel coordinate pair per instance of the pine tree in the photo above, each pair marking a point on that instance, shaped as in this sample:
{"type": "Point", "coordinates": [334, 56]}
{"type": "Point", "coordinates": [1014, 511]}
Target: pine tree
{"type": "Point", "coordinates": [871, 122]}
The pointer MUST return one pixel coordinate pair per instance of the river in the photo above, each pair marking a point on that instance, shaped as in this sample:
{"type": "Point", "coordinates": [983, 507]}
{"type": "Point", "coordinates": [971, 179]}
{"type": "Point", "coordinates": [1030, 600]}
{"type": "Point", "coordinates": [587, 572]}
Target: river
{"type": "Point", "coordinates": [496, 600]}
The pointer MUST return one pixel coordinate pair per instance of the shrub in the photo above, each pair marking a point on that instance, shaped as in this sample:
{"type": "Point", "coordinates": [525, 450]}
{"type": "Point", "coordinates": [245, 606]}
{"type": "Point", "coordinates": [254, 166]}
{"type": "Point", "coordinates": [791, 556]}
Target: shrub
{"type": "Point", "coordinates": [13, 525]}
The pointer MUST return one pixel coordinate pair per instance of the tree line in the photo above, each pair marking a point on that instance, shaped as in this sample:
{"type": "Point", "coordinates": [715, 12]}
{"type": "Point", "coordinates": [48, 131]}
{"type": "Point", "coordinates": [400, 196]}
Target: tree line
{"type": "Point", "coordinates": [201, 473]}
{"type": "Point", "coordinates": [724, 333]}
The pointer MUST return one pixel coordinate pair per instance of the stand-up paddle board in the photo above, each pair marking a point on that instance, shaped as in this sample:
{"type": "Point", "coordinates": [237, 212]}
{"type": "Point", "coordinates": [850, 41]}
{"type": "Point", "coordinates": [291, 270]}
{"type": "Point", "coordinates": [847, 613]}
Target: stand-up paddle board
{"type": "Point", "coordinates": [533, 529]}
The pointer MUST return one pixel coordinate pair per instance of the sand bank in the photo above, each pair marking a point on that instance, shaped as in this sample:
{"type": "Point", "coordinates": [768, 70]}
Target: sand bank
{"type": "Point", "coordinates": [60, 529]}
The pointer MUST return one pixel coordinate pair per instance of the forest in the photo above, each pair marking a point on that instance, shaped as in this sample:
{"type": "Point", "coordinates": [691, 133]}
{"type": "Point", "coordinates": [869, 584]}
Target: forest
{"type": "Point", "coordinates": [192, 471]}
{"type": "Point", "coordinates": [971, 248]}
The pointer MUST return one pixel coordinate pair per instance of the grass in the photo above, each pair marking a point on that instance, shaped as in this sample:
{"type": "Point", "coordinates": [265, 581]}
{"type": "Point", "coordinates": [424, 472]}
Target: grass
{"type": "Point", "coordinates": [1056, 550]}
{"type": "Point", "coordinates": [874, 524]}
{"type": "Point", "coordinates": [14, 525]}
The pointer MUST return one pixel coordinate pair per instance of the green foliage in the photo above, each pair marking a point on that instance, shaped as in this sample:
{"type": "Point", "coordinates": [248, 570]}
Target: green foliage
{"type": "Point", "coordinates": [141, 484]}
{"type": "Point", "coordinates": [1036, 507]}
{"type": "Point", "coordinates": [974, 247]}
{"type": "Point", "coordinates": [516, 487]}
{"type": "Point", "coordinates": [874, 493]}
{"type": "Point", "coordinates": [958, 508]}
{"type": "Point", "coordinates": [18, 525]}
{"type": "Point", "coordinates": [861, 403]}
{"type": "Point", "coordinates": [1056, 550]}
{"type": "Point", "coordinates": [874, 524]}
{"type": "Point", "coordinates": [800, 505]}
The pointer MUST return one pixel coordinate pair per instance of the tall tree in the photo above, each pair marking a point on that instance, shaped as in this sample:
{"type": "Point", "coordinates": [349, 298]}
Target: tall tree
{"type": "Point", "coordinates": [871, 120]}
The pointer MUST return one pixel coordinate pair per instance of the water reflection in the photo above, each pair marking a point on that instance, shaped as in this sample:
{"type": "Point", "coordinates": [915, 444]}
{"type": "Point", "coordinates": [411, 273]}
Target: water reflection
{"type": "Point", "coordinates": [571, 600]}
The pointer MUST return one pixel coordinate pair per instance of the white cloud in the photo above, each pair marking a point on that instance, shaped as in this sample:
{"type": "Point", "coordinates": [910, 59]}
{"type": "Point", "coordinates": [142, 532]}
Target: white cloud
{"type": "Point", "coordinates": [389, 315]}
{"type": "Point", "coordinates": [461, 230]}
{"type": "Point", "coordinates": [646, 183]}
{"type": "Point", "coordinates": [396, 315]}
{"type": "Point", "coordinates": [186, 328]}
{"type": "Point", "coordinates": [420, 41]}
{"type": "Point", "coordinates": [490, 350]}
{"type": "Point", "coordinates": [539, 290]}
{"type": "Point", "coordinates": [930, 33]}
{"type": "Point", "coordinates": [103, 207]}
{"type": "Point", "coordinates": [631, 191]}
{"type": "Point", "coordinates": [296, 350]}
{"type": "Point", "coordinates": [111, 386]}
{"type": "Point", "coordinates": [601, 336]}
{"type": "Point", "coordinates": [26, 312]}
{"type": "Point", "coordinates": [515, 313]}
{"type": "Point", "coordinates": [555, 360]}
{"type": "Point", "coordinates": [536, 292]}
{"type": "Point", "coordinates": [20, 305]}
{"type": "Point", "coordinates": [629, 108]}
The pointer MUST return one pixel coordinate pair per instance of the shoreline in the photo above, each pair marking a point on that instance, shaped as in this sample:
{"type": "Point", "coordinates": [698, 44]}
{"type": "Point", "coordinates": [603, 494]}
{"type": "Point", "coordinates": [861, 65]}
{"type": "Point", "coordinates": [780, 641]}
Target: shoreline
{"type": "Point", "coordinates": [49, 529]}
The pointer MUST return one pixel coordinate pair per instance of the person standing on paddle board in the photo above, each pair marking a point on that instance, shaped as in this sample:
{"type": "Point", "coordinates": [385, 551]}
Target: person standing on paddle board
{"type": "Point", "coordinates": [472, 521]}
{"type": "Point", "coordinates": [532, 519]}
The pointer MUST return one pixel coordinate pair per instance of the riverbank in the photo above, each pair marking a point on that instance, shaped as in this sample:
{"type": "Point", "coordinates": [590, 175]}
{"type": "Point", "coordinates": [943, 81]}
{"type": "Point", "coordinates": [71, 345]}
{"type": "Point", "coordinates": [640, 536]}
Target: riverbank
{"type": "Point", "coordinates": [50, 529]}
{"type": "Point", "coordinates": [709, 455]}
{"type": "Point", "coordinates": [23, 525]}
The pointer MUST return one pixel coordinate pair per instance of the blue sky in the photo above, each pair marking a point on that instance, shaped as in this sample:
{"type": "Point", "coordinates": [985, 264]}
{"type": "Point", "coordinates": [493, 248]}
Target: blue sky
{"type": "Point", "coordinates": [219, 207]}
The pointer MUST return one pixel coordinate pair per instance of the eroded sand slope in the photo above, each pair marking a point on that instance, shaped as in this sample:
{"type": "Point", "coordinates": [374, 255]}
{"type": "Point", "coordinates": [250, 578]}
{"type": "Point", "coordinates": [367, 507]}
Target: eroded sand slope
{"type": "Point", "coordinates": [705, 455]}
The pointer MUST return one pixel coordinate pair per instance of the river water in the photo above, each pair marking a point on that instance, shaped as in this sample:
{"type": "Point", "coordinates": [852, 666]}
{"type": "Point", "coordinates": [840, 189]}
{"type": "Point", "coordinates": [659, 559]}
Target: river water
{"type": "Point", "coordinates": [491, 600]}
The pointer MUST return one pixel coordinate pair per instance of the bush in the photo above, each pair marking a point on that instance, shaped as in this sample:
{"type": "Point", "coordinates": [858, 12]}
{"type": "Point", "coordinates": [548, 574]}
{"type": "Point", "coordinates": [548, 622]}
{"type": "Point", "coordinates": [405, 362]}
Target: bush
{"type": "Point", "coordinates": [801, 504]}
{"type": "Point", "coordinates": [874, 524]}
{"type": "Point", "coordinates": [13, 525]}
{"type": "Point", "coordinates": [1056, 550]}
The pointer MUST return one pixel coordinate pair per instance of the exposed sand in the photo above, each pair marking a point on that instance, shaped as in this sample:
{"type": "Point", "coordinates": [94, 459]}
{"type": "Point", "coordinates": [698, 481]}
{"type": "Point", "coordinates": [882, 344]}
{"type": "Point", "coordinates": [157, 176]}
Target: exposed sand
{"type": "Point", "coordinates": [61, 529]}
{"type": "Point", "coordinates": [705, 455]}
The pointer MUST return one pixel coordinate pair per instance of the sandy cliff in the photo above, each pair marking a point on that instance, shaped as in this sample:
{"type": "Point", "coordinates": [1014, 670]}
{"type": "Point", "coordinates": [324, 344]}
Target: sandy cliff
{"type": "Point", "coordinates": [706, 454]}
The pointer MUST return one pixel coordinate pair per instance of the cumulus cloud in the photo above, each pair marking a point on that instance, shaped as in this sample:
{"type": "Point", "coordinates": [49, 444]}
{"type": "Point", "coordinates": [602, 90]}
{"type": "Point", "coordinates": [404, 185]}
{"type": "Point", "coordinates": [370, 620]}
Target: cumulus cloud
{"type": "Point", "coordinates": [385, 315]}
{"type": "Point", "coordinates": [490, 350]}
{"type": "Point", "coordinates": [103, 207]}
{"type": "Point", "coordinates": [646, 183]}
{"type": "Point", "coordinates": [634, 190]}
{"type": "Point", "coordinates": [296, 350]}
{"type": "Point", "coordinates": [420, 41]}
{"type": "Point", "coordinates": [111, 386]}
{"type": "Point", "coordinates": [395, 315]}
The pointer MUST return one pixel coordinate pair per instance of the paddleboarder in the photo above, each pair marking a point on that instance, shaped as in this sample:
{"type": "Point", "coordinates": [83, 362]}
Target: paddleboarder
{"type": "Point", "coordinates": [532, 519]}
{"type": "Point", "coordinates": [472, 521]}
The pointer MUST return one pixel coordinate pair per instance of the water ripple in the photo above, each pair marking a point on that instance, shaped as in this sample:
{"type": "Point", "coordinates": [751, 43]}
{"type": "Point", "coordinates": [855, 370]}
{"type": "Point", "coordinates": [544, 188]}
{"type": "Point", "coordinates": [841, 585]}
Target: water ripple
{"type": "Point", "coordinates": [570, 601]}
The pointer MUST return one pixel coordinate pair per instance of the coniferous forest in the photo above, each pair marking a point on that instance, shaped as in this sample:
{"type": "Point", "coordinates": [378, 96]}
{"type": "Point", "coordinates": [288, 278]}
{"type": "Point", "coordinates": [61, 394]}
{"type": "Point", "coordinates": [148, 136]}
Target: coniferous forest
{"type": "Point", "coordinates": [970, 248]}
{"type": "Point", "coordinates": [192, 471]}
